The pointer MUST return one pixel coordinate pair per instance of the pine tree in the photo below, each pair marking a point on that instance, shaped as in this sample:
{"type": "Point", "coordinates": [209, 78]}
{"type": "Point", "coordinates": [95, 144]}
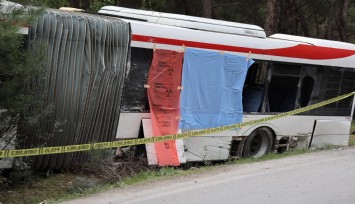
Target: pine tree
{"type": "Point", "coordinates": [22, 106]}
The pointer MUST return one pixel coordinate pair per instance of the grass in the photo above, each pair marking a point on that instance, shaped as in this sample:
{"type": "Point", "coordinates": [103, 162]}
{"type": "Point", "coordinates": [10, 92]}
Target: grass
{"type": "Point", "coordinates": [65, 186]}
{"type": "Point", "coordinates": [352, 137]}
{"type": "Point", "coordinates": [150, 175]}
{"type": "Point", "coordinates": [53, 188]}
{"type": "Point", "coordinates": [141, 177]}
{"type": "Point", "coordinates": [39, 189]}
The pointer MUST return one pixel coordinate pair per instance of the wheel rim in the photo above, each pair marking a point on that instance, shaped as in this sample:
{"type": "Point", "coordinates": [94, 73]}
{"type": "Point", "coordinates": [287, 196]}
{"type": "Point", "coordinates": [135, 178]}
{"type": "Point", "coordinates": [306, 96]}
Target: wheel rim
{"type": "Point", "coordinates": [258, 146]}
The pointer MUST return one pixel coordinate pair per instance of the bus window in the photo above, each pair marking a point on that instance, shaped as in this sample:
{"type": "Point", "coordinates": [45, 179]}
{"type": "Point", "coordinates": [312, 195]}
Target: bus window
{"type": "Point", "coordinates": [336, 81]}
{"type": "Point", "coordinates": [306, 90]}
{"type": "Point", "coordinates": [333, 83]}
{"type": "Point", "coordinates": [347, 86]}
{"type": "Point", "coordinates": [283, 87]}
{"type": "Point", "coordinates": [253, 90]}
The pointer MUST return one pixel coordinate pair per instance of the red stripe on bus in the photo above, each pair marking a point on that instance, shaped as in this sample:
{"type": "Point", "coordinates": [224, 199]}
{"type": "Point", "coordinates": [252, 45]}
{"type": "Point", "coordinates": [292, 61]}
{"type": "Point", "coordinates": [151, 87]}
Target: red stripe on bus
{"type": "Point", "coordinates": [298, 51]}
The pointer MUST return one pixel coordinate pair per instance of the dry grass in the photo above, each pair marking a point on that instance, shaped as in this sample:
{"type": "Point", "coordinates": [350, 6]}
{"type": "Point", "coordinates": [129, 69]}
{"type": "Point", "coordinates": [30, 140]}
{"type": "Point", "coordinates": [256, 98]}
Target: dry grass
{"type": "Point", "coordinates": [117, 170]}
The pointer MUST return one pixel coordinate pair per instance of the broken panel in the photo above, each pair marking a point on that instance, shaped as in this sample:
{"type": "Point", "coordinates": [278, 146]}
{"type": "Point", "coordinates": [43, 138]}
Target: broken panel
{"type": "Point", "coordinates": [134, 97]}
{"type": "Point", "coordinates": [207, 148]}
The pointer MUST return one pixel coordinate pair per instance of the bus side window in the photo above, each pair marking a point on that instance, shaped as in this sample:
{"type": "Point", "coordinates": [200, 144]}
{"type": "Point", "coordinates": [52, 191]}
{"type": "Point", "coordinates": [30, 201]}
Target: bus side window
{"type": "Point", "coordinates": [253, 90]}
{"type": "Point", "coordinates": [336, 81]}
{"type": "Point", "coordinates": [347, 86]}
{"type": "Point", "coordinates": [306, 90]}
{"type": "Point", "coordinates": [283, 87]}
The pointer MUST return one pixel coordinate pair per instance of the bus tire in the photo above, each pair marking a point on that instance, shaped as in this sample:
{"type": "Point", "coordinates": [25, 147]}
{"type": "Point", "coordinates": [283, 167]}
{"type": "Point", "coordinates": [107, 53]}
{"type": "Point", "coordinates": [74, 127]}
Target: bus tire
{"type": "Point", "coordinates": [258, 143]}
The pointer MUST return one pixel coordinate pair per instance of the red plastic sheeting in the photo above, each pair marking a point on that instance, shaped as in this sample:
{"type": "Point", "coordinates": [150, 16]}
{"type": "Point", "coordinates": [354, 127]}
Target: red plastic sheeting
{"type": "Point", "coordinates": [164, 79]}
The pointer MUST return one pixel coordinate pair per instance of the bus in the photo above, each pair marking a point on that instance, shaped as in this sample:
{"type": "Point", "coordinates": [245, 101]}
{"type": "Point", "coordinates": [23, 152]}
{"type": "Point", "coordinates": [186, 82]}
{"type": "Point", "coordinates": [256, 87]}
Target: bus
{"type": "Point", "coordinates": [289, 72]}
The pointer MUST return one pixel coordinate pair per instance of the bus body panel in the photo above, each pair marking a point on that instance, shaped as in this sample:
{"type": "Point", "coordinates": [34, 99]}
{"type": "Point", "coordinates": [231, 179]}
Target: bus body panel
{"type": "Point", "coordinates": [325, 132]}
{"type": "Point", "coordinates": [311, 55]}
{"type": "Point", "coordinates": [146, 35]}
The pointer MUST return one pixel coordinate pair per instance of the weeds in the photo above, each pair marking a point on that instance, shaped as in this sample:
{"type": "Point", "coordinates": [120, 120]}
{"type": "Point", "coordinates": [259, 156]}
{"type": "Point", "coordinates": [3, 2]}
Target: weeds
{"type": "Point", "coordinates": [352, 135]}
{"type": "Point", "coordinates": [108, 169]}
{"type": "Point", "coordinates": [103, 172]}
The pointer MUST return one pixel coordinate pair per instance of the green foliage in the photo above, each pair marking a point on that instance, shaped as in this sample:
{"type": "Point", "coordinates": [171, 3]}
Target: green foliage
{"type": "Point", "coordinates": [3, 179]}
{"type": "Point", "coordinates": [352, 140]}
{"type": "Point", "coordinates": [95, 5]}
{"type": "Point", "coordinates": [146, 5]}
{"type": "Point", "coordinates": [352, 134]}
{"type": "Point", "coordinates": [20, 173]}
{"type": "Point", "coordinates": [22, 74]}
{"type": "Point", "coordinates": [151, 175]}
{"type": "Point", "coordinates": [44, 3]}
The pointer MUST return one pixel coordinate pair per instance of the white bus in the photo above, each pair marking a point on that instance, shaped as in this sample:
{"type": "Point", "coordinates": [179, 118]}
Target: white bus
{"type": "Point", "coordinates": [290, 72]}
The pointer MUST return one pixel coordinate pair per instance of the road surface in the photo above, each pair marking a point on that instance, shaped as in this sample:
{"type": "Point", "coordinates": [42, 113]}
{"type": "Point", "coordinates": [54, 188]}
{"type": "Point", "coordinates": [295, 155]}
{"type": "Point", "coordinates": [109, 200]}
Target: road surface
{"type": "Point", "coordinates": [319, 177]}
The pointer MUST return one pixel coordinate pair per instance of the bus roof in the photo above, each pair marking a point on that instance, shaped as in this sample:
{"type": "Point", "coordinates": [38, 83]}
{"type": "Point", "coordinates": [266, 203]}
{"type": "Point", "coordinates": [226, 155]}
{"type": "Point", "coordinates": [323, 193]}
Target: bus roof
{"type": "Point", "coordinates": [173, 31]}
{"type": "Point", "coordinates": [185, 21]}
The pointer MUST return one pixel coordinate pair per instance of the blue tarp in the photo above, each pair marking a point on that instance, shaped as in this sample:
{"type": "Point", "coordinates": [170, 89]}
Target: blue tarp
{"type": "Point", "coordinates": [212, 89]}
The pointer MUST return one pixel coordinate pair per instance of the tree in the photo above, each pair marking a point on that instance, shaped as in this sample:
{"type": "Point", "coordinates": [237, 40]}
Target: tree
{"type": "Point", "coordinates": [207, 8]}
{"type": "Point", "coordinates": [272, 16]}
{"type": "Point", "coordinates": [341, 18]}
{"type": "Point", "coordinates": [22, 108]}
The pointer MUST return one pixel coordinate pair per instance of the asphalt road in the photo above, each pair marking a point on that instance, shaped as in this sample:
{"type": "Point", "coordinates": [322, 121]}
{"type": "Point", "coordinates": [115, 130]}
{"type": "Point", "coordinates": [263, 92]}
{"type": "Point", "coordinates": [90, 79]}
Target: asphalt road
{"type": "Point", "coordinates": [321, 177]}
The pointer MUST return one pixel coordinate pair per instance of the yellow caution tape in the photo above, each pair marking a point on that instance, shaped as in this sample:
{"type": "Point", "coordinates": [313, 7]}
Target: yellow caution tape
{"type": "Point", "coordinates": [131, 142]}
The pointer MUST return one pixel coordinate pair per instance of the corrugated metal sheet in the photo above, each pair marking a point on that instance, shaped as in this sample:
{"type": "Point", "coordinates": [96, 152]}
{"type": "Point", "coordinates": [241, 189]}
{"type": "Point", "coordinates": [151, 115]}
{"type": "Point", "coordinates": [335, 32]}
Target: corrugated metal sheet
{"type": "Point", "coordinates": [87, 59]}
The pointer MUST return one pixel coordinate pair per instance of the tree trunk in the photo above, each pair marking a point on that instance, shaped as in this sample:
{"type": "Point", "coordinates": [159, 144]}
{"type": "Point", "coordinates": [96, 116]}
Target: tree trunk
{"type": "Point", "coordinates": [341, 18]}
{"type": "Point", "coordinates": [328, 27]}
{"type": "Point", "coordinates": [297, 9]}
{"type": "Point", "coordinates": [272, 16]}
{"type": "Point", "coordinates": [207, 8]}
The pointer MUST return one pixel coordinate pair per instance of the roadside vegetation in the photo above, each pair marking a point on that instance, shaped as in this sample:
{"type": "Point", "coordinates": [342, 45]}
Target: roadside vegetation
{"type": "Point", "coordinates": [103, 173]}
{"type": "Point", "coordinates": [352, 135]}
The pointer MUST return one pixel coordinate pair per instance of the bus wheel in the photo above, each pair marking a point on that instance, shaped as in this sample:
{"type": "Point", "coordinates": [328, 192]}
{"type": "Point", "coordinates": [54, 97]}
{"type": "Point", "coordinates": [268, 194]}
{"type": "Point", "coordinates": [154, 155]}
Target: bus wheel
{"type": "Point", "coordinates": [258, 143]}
